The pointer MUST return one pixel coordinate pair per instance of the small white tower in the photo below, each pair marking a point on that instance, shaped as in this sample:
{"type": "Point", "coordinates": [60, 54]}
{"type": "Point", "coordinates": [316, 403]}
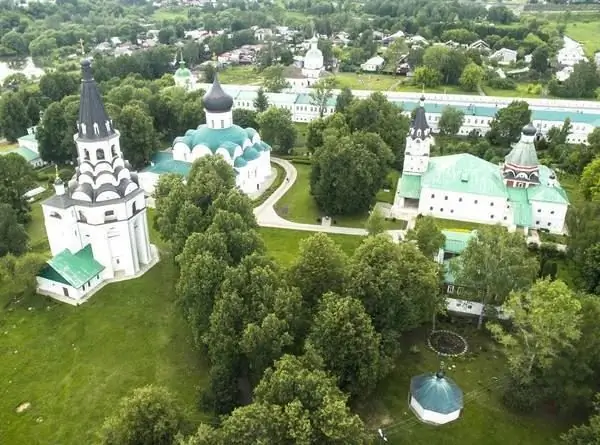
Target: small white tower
{"type": "Point", "coordinates": [418, 143]}
{"type": "Point", "coordinates": [217, 107]}
{"type": "Point", "coordinates": [59, 186]}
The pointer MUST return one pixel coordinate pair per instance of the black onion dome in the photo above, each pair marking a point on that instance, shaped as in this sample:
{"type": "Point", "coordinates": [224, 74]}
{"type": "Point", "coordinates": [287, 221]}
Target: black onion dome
{"type": "Point", "coordinates": [217, 100]}
{"type": "Point", "coordinates": [529, 130]}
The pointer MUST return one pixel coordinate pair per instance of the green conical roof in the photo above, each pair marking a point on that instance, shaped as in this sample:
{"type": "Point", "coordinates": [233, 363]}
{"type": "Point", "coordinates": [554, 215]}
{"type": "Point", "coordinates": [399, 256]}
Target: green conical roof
{"type": "Point", "coordinates": [182, 71]}
{"type": "Point", "coordinates": [523, 152]}
{"type": "Point", "coordinates": [436, 392]}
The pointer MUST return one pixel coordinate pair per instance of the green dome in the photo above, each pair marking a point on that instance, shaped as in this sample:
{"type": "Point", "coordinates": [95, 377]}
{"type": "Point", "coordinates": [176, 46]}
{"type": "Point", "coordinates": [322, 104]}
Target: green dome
{"type": "Point", "coordinates": [240, 162]}
{"type": "Point", "coordinates": [437, 393]}
{"type": "Point", "coordinates": [215, 138]}
{"type": "Point", "coordinates": [182, 71]}
{"type": "Point", "coordinates": [251, 132]}
{"type": "Point", "coordinates": [251, 154]}
{"type": "Point", "coordinates": [230, 147]}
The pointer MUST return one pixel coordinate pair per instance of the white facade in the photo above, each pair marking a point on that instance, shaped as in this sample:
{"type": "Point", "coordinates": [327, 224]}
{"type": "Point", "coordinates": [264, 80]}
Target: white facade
{"type": "Point", "coordinates": [66, 293]}
{"type": "Point", "coordinates": [373, 64]}
{"type": "Point", "coordinates": [103, 206]}
{"type": "Point", "coordinates": [505, 56]}
{"type": "Point", "coordinates": [571, 53]}
{"type": "Point", "coordinates": [549, 216]}
{"type": "Point", "coordinates": [432, 417]}
{"type": "Point", "coordinates": [465, 207]}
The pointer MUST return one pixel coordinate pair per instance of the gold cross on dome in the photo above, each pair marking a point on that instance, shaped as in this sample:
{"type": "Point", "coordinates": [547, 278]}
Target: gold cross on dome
{"type": "Point", "coordinates": [82, 47]}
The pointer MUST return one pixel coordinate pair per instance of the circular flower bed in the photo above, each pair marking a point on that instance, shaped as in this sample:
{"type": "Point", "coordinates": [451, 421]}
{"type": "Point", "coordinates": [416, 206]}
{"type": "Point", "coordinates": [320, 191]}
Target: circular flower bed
{"type": "Point", "coordinates": [447, 343]}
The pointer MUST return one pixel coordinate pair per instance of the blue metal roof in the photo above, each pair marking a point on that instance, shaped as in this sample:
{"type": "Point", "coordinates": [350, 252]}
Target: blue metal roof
{"type": "Point", "coordinates": [437, 393]}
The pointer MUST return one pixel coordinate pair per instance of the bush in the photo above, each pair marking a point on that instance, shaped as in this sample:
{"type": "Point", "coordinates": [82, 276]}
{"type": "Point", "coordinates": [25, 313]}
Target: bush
{"type": "Point", "coordinates": [520, 398]}
{"type": "Point", "coordinates": [502, 84]}
{"type": "Point", "coordinates": [300, 160]}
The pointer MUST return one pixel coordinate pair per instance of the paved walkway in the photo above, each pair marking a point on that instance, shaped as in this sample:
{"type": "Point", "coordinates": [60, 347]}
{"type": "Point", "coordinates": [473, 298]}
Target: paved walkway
{"type": "Point", "coordinates": [267, 217]}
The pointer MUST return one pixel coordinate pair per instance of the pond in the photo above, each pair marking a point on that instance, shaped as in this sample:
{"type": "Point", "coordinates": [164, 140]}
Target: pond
{"type": "Point", "coordinates": [25, 66]}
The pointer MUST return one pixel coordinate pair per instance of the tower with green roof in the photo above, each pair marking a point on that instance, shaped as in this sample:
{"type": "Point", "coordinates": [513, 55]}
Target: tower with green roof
{"type": "Point", "coordinates": [418, 143]}
{"type": "Point", "coordinates": [183, 76]}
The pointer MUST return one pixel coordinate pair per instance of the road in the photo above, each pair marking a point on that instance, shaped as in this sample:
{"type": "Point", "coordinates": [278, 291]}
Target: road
{"type": "Point", "coordinates": [267, 217]}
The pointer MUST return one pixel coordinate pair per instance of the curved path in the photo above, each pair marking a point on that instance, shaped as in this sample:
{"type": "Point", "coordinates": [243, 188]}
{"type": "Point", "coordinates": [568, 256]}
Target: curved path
{"type": "Point", "coordinates": [267, 217]}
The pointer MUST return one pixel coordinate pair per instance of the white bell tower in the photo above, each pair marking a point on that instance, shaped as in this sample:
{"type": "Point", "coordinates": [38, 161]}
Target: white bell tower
{"type": "Point", "coordinates": [418, 144]}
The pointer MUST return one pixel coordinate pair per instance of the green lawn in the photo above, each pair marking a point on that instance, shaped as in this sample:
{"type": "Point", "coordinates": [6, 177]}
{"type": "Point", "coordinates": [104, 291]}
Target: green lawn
{"type": "Point", "coordinates": [392, 181]}
{"type": "Point", "coordinates": [479, 374]}
{"type": "Point", "coordinates": [523, 90]}
{"type": "Point", "coordinates": [571, 185]}
{"type": "Point", "coordinates": [169, 14]}
{"type": "Point", "coordinates": [586, 32]}
{"type": "Point", "coordinates": [283, 245]}
{"type": "Point", "coordinates": [73, 364]}
{"type": "Point", "coordinates": [240, 74]}
{"type": "Point", "coordinates": [450, 224]}
{"type": "Point", "coordinates": [299, 206]}
{"type": "Point", "coordinates": [38, 241]}
{"type": "Point", "coordinates": [386, 82]}
{"type": "Point", "coordinates": [7, 146]}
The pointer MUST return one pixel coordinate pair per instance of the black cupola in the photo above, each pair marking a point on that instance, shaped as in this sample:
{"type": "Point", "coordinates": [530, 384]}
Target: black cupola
{"type": "Point", "coordinates": [217, 100]}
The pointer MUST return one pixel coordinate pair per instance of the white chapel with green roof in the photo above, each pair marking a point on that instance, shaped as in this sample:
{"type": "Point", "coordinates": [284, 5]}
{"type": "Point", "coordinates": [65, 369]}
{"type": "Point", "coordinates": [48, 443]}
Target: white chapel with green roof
{"type": "Point", "coordinates": [519, 193]}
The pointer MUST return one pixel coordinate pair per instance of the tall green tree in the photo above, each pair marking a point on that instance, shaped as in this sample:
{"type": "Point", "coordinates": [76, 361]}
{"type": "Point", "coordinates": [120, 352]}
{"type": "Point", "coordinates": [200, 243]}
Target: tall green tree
{"type": "Point", "coordinates": [273, 79]}
{"type": "Point", "coordinates": [295, 402]}
{"type": "Point", "coordinates": [52, 133]}
{"type": "Point", "coordinates": [13, 117]}
{"type": "Point", "coordinates": [450, 121]}
{"type": "Point", "coordinates": [261, 102]}
{"type": "Point", "coordinates": [471, 77]}
{"type": "Point", "coordinates": [277, 129]}
{"type": "Point", "coordinates": [13, 237]}
{"type": "Point", "coordinates": [375, 223]}
{"type": "Point", "coordinates": [506, 126]}
{"type": "Point", "coordinates": [33, 111]}
{"type": "Point", "coordinates": [343, 100]}
{"type": "Point", "coordinates": [586, 434]}
{"type": "Point", "coordinates": [245, 118]}
{"type": "Point", "coordinates": [139, 141]}
{"type": "Point", "coordinates": [494, 264]}
{"type": "Point", "coordinates": [428, 236]}
{"type": "Point", "coordinates": [343, 335]}
{"type": "Point", "coordinates": [348, 172]}
{"type": "Point", "coordinates": [320, 267]}
{"type": "Point", "coordinates": [545, 321]}
{"type": "Point", "coordinates": [398, 285]}
{"type": "Point", "coordinates": [149, 416]}
{"type": "Point", "coordinates": [56, 85]}
{"type": "Point", "coordinates": [321, 93]}
{"type": "Point", "coordinates": [590, 181]}
{"type": "Point", "coordinates": [18, 178]}
{"type": "Point", "coordinates": [18, 276]}
{"type": "Point", "coordinates": [539, 59]}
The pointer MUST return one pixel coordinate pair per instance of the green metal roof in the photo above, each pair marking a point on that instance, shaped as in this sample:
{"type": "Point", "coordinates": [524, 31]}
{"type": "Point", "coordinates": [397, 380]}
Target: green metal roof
{"type": "Point", "coordinates": [213, 138]}
{"type": "Point", "coordinates": [28, 137]}
{"type": "Point", "coordinates": [410, 186]}
{"type": "Point", "coordinates": [250, 154]}
{"type": "Point", "coordinates": [448, 275]}
{"type": "Point", "coordinates": [519, 201]}
{"type": "Point", "coordinates": [25, 153]}
{"type": "Point", "coordinates": [464, 173]}
{"type": "Point", "coordinates": [305, 99]}
{"type": "Point", "coordinates": [523, 154]}
{"type": "Point", "coordinates": [72, 269]}
{"type": "Point", "coordinates": [436, 393]}
{"type": "Point", "coordinates": [240, 162]}
{"type": "Point", "coordinates": [544, 193]}
{"type": "Point", "coordinates": [456, 241]}
{"type": "Point", "coordinates": [183, 72]}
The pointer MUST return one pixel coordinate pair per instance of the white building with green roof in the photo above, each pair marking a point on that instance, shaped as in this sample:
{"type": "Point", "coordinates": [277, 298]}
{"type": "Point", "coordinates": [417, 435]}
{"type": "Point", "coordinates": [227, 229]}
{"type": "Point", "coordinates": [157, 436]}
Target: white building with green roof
{"type": "Point", "coordinates": [520, 193]}
{"type": "Point", "coordinates": [96, 224]}
{"type": "Point", "coordinates": [242, 148]}
{"type": "Point", "coordinates": [183, 77]}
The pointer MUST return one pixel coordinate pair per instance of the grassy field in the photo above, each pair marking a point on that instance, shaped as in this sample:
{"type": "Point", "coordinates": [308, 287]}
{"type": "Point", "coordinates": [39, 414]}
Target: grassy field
{"type": "Point", "coordinates": [241, 74]}
{"type": "Point", "coordinates": [522, 90]}
{"type": "Point", "coordinates": [169, 14]}
{"type": "Point", "coordinates": [571, 185]}
{"type": "Point", "coordinates": [586, 32]}
{"type": "Point", "coordinates": [7, 146]}
{"type": "Point", "coordinates": [299, 206]}
{"type": "Point", "coordinates": [383, 82]}
{"type": "Point", "coordinates": [450, 224]}
{"type": "Point", "coordinates": [479, 374]}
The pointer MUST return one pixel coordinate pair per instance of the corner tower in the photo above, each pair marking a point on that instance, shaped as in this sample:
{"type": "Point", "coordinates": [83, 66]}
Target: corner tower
{"type": "Point", "coordinates": [521, 166]}
{"type": "Point", "coordinates": [418, 143]}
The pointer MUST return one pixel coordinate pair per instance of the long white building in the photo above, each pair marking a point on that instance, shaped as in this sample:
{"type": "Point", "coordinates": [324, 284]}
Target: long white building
{"type": "Point", "coordinates": [479, 110]}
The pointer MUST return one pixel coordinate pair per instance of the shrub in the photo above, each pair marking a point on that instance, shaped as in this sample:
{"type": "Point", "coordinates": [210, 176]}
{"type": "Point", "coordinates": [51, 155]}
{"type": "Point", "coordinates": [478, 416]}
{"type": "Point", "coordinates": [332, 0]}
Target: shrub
{"type": "Point", "coordinates": [521, 398]}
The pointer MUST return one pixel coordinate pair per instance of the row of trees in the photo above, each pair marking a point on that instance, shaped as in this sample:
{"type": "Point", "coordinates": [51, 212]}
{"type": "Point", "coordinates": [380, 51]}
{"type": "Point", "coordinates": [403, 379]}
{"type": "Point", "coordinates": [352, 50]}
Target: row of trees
{"type": "Point", "coordinates": [339, 317]}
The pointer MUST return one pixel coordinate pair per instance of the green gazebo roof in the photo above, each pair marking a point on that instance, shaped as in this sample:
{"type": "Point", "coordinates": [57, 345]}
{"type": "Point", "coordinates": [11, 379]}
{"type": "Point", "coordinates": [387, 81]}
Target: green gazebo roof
{"type": "Point", "coordinates": [436, 392]}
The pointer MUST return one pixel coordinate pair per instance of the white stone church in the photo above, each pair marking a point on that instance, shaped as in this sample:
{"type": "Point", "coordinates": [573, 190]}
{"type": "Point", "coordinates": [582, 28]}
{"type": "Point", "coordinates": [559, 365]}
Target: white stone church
{"type": "Point", "coordinates": [519, 193]}
{"type": "Point", "coordinates": [96, 224]}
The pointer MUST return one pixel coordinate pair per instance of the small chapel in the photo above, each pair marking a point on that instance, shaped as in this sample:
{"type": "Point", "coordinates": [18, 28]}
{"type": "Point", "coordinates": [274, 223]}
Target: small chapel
{"type": "Point", "coordinates": [311, 70]}
{"type": "Point", "coordinates": [96, 224]}
{"type": "Point", "coordinates": [520, 193]}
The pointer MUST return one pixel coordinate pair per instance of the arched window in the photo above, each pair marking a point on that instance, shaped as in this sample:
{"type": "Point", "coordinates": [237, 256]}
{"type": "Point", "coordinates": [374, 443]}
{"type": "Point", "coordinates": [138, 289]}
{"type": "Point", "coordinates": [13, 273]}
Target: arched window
{"type": "Point", "coordinates": [133, 208]}
{"type": "Point", "coordinates": [113, 151]}
{"type": "Point", "coordinates": [86, 154]}
{"type": "Point", "coordinates": [55, 215]}
{"type": "Point", "coordinates": [99, 154]}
